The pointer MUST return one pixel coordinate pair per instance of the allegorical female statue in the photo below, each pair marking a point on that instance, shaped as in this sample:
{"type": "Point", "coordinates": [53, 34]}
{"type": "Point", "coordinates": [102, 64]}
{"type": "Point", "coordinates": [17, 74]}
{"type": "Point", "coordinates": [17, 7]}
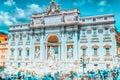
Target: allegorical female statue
{"type": "Point", "coordinates": [51, 53]}
{"type": "Point", "coordinates": [37, 52]}
{"type": "Point", "coordinates": [70, 53]}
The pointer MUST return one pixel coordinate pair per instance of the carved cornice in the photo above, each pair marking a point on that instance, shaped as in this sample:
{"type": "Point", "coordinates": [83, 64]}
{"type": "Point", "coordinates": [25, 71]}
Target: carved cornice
{"type": "Point", "coordinates": [27, 48]}
{"type": "Point", "coordinates": [84, 47]}
{"type": "Point", "coordinates": [12, 48]}
{"type": "Point", "coordinates": [107, 46]}
{"type": "Point", "coordinates": [95, 46]}
{"type": "Point", "coordinates": [19, 48]}
{"type": "Point", "coordinates": [108, 59]}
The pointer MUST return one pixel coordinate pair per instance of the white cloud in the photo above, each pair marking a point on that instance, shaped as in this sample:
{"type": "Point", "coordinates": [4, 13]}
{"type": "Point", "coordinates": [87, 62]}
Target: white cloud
{"type": "Point", "coordinates": [101, 9]}
{"type": "Point", "coordinates": [26, 13]}
{"type": "Point", "coordinates": [6, 19]}
{"type": "Point", "coordinates": [35, 8]}
{"type": "Point", "coordinates": [102, 3]}
{"type": "Point", "coordinates": [81, 2]}
{"type": "Point", "coordinates": [20, 13]}
{"type": "Point", "coordinates": [9, 3]}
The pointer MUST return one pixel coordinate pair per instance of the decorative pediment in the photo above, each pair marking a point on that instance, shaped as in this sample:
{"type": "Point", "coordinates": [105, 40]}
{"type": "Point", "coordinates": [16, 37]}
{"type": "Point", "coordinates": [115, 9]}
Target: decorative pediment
{"type": "Point", "coordinates": [19, 48]}
{"type": "Point", "coordinates": [84, 47]}
{"type": "Point", "coordinates": [27, 48]}
{"type": "Point", "coordinates": [53, 8]}
{"type": "Point", "coordinates": [117, 36]}
{"type": "Point", "coordinates": [95, 46]}
{"type": "Point", "coordinates": [107, 46]}
{"type": "Point", "coordinates": [12, 49]}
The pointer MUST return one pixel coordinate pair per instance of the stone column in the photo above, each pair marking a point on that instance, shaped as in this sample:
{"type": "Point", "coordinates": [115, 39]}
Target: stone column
{"type": "Point", "coordinates": [75, 46]}
{"type": "Point", "coordinates": [31, 47]}
{"type": "Point", "coordinates": [63, 46]}
{"type": "Point", "coordinates": [42, 48]}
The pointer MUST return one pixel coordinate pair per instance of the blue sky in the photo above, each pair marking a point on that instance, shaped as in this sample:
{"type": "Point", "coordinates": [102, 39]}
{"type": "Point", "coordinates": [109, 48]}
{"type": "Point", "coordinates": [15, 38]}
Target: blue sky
{"type": "Point", "coordinates": [20, 11]}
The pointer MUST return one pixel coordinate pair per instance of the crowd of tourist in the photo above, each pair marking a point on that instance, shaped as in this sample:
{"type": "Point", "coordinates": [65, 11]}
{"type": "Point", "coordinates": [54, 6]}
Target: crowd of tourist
{"type": "Point", "coordinates": [113, 74]}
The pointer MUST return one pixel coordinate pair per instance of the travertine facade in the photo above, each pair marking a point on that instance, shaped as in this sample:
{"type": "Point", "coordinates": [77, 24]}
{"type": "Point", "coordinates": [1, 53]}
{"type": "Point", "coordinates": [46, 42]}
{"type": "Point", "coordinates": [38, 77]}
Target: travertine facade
{"type": "Point", "coordinates": [3, 49]}
{"type": "Point", "coordinates": [59, 38]}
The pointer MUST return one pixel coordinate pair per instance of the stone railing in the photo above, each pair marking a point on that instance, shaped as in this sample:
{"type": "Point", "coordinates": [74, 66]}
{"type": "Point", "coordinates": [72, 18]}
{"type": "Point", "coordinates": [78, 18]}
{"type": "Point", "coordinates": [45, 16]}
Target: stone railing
{"type": "Point", "coordinates": [20, 43]}
{"type": "Point", "coordinates": [26, 58]}
{"type": "Point", "coordinates": [19, 58]}
{"type": "Point", "coordinates": [11, 58]}
{"type": "Point", "coordinates": [108, 59]}
{"type": "Point", "coordinates": [95, 59]}
{"type": "Point", "coordinates": [28, 43]}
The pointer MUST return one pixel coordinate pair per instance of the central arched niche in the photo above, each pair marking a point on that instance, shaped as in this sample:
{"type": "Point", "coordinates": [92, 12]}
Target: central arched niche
{"type": "Point", "coordinates": [52, 47]}
{"type": "Point", "coordinates": [53, 39]}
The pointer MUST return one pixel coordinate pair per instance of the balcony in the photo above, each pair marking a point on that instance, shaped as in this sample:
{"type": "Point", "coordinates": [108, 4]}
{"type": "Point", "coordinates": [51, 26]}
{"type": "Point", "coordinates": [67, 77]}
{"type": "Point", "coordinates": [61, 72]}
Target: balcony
{"type": "Point", "coordinates": [107, 39]}
{"type": "Point", "coordinates": [19, 58]}
{"type": "Point", "coordinates": [28, 43]}
{"type": "Point", "coordinates": [26, 58]}
{"type": "Point", "coordinates": [36, 43]}
{"type": "Point", "coordinates": [95, 59]}
{"type": "Point", "coordinates": [106, 35]}
{"type": "Point", "coordinates": [12, 44]}
{"type": "Point", "coordinates": [95, 40]}
{"type": "Point", "coordinates": [108, 59]}
{"type": "Point", "coordinates": [11, 58]}
{"type": "Point", "coordinates": [94, 36]}
{"type": "Point", "coordinates": [83, 40]}
{"type": "Point", "coordinates": [20, 43]}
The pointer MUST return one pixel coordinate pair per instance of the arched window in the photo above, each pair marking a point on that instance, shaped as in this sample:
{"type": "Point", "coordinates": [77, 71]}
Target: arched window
{"type": "Point", "coordinates": [107, 49]}
{"type": "Point", "coordinates": [95, 48]}
{"type": "Point", "coordinates": [19, 65]}
{"type": "Point", "coordinates": [106, 31]}
{"type": "Point", "coordinates": [27, 51]}
{"type": "Point", "coordinates": [94, 31]}
{"type": "Point", "coordinates": [13, 36]}
{"type": "Point", "coordinates": [20, 36]}
{"type": "Point", "coordinates": [20, 51]}
{"type": "Point", "coordinates": [83, 32]}
{"type": "Point", "coordinates": [12, 51]}
{"type": "Point", "coordinates": [83, 49]}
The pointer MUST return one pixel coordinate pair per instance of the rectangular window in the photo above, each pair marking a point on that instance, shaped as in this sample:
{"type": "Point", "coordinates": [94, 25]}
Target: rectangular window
{"type": "Point", "coordinates": [13, 36]}
{"type": "Point", "coordinates": [19, 65]}
{"type": "Point", "coordinates": [84, 51]}
{"type": "Point", "coordinates": [27, 52]}
{"type": "Point", "coordinates": [106, 30]}
{"type": "Point", "coordinates": [94, 31]}
{"type": "Point", "coordinates": [94, 19]}
{"type": "Point", "coordinates": [19, 52]}
{"type": "Point", "coordinates": [107, 51]}
{"type": "Point", "coordinates": [83, 20]}
{"type": "Point", "coordinates": [20, 36]}
{"type": "Point", "coordinates": [95, 51]}
{"type": "Point", "coordinates": [95, 64]}
{"type": "Point", "coordinates": [105, 18]}
{"type": "Point", "coordinates": [28, 37]}
{"type": "Point", "coordinates": [83, 32]}
{"type": "Point", "coordinates": [12, 52]}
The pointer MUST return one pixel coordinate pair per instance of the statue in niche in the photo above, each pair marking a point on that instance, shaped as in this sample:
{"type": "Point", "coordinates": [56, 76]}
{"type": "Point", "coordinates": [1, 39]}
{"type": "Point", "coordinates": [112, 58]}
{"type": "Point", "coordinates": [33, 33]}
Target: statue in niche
{"type": "Point", "coordinates": [37, 52]}
{"type": "Point", "coordinates": [42, 20]}
{"type": "Point", "coordinates": [51, 53]}
{"type": "Point", "coordinates": [51, 56]}
{"type": "Point", "coordinates": [70, 52]}
{"type": "Point", "coordinates": [62, 18]}
{"type": "Point", "coordinates": [69, 36]}
{"type": "Point", "coordinates": [76, 17]}
{"type": "Point", "coordinates": [37, 38]}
